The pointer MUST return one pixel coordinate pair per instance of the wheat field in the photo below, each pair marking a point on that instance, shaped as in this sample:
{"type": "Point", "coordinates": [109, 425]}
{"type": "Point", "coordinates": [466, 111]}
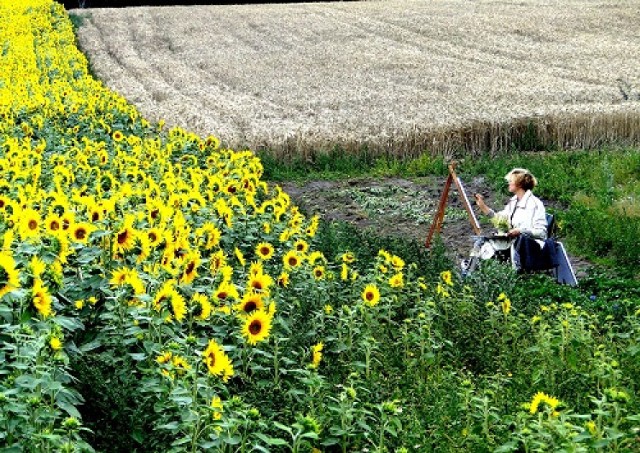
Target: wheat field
{"type": "Point", "coordinates": [398, 77]}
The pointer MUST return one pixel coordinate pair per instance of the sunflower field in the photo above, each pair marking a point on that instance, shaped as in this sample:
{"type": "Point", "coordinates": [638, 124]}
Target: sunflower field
{"type": "Point", "coordinates": [156, 294]}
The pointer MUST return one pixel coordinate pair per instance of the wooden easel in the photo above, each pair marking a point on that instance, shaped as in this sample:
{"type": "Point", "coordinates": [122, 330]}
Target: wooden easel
{"type": "Point", "coordinates": [436, 225]}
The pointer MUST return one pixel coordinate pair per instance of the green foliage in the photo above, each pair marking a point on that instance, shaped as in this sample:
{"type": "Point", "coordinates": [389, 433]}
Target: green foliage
{"type": "Point", "coordinates": [338, 164]}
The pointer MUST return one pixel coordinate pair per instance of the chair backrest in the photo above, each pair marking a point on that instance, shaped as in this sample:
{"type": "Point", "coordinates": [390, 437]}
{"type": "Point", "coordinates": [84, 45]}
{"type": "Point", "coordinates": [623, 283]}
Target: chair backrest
{"type": "Point", "coordinates": [551, 225]}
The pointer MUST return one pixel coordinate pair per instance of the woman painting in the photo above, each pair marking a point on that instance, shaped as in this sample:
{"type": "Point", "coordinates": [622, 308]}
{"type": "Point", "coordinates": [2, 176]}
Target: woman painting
{"type": "Point", "coordinates": [526, 217]}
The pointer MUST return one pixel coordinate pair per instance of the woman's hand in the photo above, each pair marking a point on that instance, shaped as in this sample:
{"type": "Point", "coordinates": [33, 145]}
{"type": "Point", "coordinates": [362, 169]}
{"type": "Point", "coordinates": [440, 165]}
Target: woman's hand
{"type": "Point", "coordinates": [481, 204]}
{"type": "Point", "coordinates": [513, 233]}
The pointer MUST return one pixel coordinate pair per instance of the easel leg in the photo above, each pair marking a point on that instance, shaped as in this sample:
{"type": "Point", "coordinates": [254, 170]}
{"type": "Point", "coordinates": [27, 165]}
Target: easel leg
{"type": "Point", "coordinates": [436, 225]}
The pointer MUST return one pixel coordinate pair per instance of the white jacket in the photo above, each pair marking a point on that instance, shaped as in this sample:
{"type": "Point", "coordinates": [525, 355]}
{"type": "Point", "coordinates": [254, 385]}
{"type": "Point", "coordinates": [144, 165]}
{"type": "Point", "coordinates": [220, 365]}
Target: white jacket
{"type": "Point", "coordinates": [527, 215]}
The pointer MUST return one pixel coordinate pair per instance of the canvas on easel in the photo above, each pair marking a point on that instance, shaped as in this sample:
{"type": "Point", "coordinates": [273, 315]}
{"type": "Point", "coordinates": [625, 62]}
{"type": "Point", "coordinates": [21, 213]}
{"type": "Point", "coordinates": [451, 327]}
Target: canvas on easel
{"type": "Point", "coordinates": [436, 225]}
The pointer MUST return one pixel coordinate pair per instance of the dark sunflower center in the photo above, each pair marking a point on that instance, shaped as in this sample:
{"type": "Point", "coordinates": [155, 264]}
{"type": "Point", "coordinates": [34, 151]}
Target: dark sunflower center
{"type": "Point", "coordinates": [81, 233]}
{"type": "Point", "coordinates": [190, 267]}
{"type": "Point", "coordinates": [369, 296]}
{"type": "Point", "coordinates": [255, 327]}
{"type": "Point", "coordinates": [264, 251]}
{"type": "Point", "coordinates": [250, 306]}
{"type": "Point", "coordinates": [33, 224]}
{"type": "Point", "coordinates": [122, 237]}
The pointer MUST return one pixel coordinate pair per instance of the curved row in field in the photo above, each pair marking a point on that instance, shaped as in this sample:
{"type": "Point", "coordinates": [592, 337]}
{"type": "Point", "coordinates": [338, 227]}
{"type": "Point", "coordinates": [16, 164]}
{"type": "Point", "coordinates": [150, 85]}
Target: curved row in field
{"type": "Point", "coordinates": [398, 76]}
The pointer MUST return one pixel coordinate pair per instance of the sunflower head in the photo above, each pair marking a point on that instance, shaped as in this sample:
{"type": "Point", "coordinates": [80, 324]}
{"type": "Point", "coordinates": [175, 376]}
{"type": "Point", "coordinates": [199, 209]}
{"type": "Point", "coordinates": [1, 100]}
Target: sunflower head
{"type": "Point", "coordinates": [291, 259]}
{"type": "Point", "coordinates": [371, 295]}
{"type": "Point", "coordinates": [264, 251]}
{"type": "Point", "coordinates": [257, 327]}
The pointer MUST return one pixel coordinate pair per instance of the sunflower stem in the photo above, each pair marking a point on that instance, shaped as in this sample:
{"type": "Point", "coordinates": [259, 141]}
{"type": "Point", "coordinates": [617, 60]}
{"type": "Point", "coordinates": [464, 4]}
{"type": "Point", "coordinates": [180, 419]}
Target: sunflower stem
{"type": "Point", "coordinates": [276, 369]}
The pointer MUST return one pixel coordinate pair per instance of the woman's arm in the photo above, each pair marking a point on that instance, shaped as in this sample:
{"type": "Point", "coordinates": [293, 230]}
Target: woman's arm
{"type": "Point", "coordinates": [486, 210]}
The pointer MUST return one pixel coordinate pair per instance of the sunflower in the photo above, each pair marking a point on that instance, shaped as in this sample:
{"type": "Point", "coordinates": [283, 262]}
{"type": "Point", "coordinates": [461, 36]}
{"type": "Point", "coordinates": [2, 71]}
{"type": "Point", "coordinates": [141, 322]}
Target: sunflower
{"type": "Point", "coordinates": [202, 305]}
{"type": "Point", "coordinates": [125, 276]}
{"type": "Point", "coordinates": [264, 250]}
{"type": "Point", "coordinates": [316, 352]}
{"type": "Point", "coordinates": [348, 257]}
{"type": "Point", "coordinates": [164, 357]}
{"type": "Point", "coordinates": [319, 272]}
{"type": "Point", "coordinates": [80, 232]}
{"type": "Point", "coordinates": [209, 235]}
{"type": "Point", "coordinates": [217, 361]}
{"type": "Point", "coordinates": [119, 276]}
{"type": "Point", "coordinates": [397, 263]}
{"type": "Point", "coordinates": [446, 278]}
{"type": "Point", "coordinates": [37, 266]}
{"type": "Point", "coordinates": [96, 213]}
{"type": "Point", "coordinates": [217, 407]}
{"type": "Point", "coordinates": [155, 237]}
{"type": "Point", "coordinates": [117, 136]}
{"type": "Point", "coordinates": [283, 280]}
{"type": "Point", "coordinates": [250, 303]}
{"type": "Point", "coordinates": [9, 277]}
{"type": "Point", "coordinates": [256, 327]}
{"type": "Point", "coordinates": [385, 255]}
{"type": "Point", "coordinates": [371, 295]}
{"type": "Point", "coordinates": [29, 223]}
{"type": "Point", "coordinates": [41, 298]}
{"type": "Point", "coordinates": [226, 290]}
{"type": "Point", "coordinates": [67, 219]}
{"type": "Point", "coordinates": [217, 261]}
{"type": "Point", "coordinates": [55, 344]}
{"type": "Point", "coordinates": [180, 364]}
{"type": "Point", "coordinates": [239, 256]}
{"type": "Point", "coordinates": [259, 283]}
{"type": "Point", "coordinates": [190, 271]}
{"type": "Point", "coordinates": [125, 237]}
{"type": "Point", "coordinates": [256, 268]}
{"type": "Point", "coordinates": [344, 272]}
{"type": "Point", "coordinates": [505, 303]}
{"type": "Point", "coordinates": [313, 226]}
{"type": "Point", "coordinates": [397, 281]}
{"type": "Point", "coordinates": [540, 398]}
{"type": "Point", "coordinates": [212, 142]}
{"type": "Point", "coordinates": [301, 246]}
{"type": "Point", "coordinates": [291, 259]}
{"type": "Point", "coordinates": [168, 298]}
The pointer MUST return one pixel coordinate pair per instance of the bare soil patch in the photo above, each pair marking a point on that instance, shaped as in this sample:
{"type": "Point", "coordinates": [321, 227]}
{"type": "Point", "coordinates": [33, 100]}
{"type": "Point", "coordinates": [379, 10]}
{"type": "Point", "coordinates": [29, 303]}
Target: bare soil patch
{"type": "Point", "coordinates": [393, 206]}
{"type": "Point", "coordinates": [400, 76]}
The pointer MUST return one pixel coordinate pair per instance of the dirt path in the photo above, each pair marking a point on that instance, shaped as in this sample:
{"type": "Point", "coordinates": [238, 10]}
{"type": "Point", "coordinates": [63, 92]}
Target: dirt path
{"type": "Point", "coordinates": [401, 207]}
{"type": "Point", "coordinates": [393, 206]}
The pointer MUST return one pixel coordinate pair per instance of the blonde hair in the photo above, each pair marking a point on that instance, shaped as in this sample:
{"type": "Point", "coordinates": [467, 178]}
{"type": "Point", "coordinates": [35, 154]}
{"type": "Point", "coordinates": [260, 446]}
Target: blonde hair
{"type": "Point", "coordinates": [522, 178]}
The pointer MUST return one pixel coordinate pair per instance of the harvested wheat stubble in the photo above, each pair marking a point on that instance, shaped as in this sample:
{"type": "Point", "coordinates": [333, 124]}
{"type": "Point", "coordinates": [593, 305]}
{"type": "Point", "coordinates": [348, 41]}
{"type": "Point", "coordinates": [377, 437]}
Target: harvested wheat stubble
{"type": "Point", "coordinates": [397, 77]}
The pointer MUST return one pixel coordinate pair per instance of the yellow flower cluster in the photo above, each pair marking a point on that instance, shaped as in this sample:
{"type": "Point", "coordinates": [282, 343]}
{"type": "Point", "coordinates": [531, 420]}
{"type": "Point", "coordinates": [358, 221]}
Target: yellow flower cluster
{"type": "Point", "coordinates": [94, 189]}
